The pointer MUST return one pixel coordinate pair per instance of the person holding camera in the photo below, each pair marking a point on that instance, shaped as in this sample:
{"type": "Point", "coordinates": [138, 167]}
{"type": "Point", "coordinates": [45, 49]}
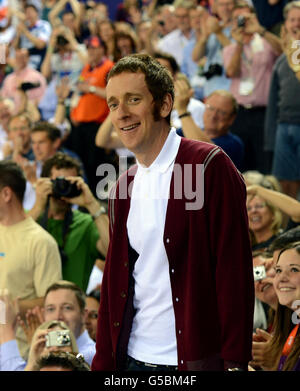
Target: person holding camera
{"type": "Point", "coordinates": [82, 237]}
{"type": "Point", "coordinates": [64, 303]}
{"type": "Point", "coordinates": [33, 34]}
{"type": "Point", "coordinates": [24, 79]}
{"type": "Point", "coordinates": [249, 63]}
{"type": "Point", "coordinates": [215, 35]}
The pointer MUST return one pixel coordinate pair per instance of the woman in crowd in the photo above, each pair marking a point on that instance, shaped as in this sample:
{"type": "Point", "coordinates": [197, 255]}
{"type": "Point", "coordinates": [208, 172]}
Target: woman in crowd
{"type": "Point", "coordinates": [38, 346]}
{"type": "Point", "coordinates": [284, 347]}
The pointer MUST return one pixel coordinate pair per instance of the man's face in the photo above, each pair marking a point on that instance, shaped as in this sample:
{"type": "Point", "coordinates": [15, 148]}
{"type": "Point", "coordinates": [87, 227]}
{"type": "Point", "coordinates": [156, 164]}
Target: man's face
{"type": "Point", "coordinates": [292, 23]}
{"type": "Point", "coordinates": [196, 18]}
{"type": "Point", "coordinates": [92, 306]}
{"type": "Point", "coordinates": [68, 20]}
{"type": "Point", "coordinates": [31, 16]}
{"type": "Point", "coordinates": [224, 9]}
{"type": "Point", "coordinates": [62, 304]}
{"type": "Point", "coordinates": [19, 132]}
{"type": "Point", "coordinates": [132, 105]}
{"type": "Point", "coordinates": [95, 55]}
{"type": "Point", "coordinates": [182, 17]}
{"type": "Point", "coordinates": [43, 147]}
{"type": "Point", "coordinates": [218, 115]}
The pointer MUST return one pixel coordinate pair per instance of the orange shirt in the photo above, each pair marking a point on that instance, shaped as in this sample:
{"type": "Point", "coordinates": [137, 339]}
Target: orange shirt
{"type": "Point", "coordinates": [91, 107]}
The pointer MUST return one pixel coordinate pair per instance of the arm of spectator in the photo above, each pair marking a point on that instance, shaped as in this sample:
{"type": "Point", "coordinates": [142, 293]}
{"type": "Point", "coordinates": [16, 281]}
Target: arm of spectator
{"type": "Point", "coordinates": [253, 26]}
{"type": "Point", "coordinates": [106, 137]}
{"type": "Point", "coordinates": [36, 349]}
{"type": "Point", "coordinates": [46, 64]}
{"type": "Point", "coordinates": [34, 318]}
{"type": "Point", "coordinates": [213, 26]}
{"type": "Point", "coordinates": [260, 344]}
{"type": "Point", "coordinates": [28, 304]}
{"type": "Point", "coordinates": [85, 88]}
{"type": "Point", "coordinates": [182, 98]}
{"type": "Point", "coordinates": [199, 49]}
{"type": "Point", "coordinates": [287, 204]}
{"type": "Point", "coordinates": [25, 105]}
{"type": "Point", "coordinates": [151, 8]}
{"type": "Point", "coordinates": [82, 54]}
{"type": "Point", "coordinates": [53, 16]}
{"type": "Point", "coordinates": [233, 62]}
{"type": "Point", "coordinates": [12, 309]}
{"type": "Point", "coordinates": [88, 201]}
{"type": "Point", "coordinates": [62, 92]}
{"type": "Point", "coordinates": [37, 42]}
{"type": "Point", "coordinates": [43, 189]}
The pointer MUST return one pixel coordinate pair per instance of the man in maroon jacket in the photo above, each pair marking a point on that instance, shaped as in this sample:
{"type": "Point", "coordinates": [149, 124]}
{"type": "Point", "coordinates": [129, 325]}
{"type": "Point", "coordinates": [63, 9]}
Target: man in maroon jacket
{"type": "Point", "coordinates": [177, 290]}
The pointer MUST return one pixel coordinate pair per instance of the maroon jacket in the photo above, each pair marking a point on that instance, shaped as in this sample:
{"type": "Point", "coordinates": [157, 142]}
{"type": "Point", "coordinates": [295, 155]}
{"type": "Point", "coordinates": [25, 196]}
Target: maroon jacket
{"type": "Point", "coordinates": [210, 270]}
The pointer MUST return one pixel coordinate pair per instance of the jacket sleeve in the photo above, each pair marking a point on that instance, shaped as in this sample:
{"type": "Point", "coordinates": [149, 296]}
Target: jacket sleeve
{"type": "Point", "coordinates": [230, 244]}
{"type": "Point", "coordinates": [104, 357]}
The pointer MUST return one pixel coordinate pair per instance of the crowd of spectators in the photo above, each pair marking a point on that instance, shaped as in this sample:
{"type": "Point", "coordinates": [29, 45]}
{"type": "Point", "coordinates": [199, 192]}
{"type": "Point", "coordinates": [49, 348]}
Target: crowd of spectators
{"type": "Point", "coordinates": [235, 65]}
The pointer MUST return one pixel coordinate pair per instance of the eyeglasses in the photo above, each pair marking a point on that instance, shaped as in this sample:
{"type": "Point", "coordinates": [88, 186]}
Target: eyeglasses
{"type": "Point", "coordinates": [223, 114]}
{"type": "Point", "coordinates": [256, 207]}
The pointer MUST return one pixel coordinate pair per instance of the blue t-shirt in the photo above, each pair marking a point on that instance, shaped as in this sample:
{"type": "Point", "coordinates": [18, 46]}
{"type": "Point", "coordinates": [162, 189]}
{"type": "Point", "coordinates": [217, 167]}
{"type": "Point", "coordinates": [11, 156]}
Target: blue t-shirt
{"type": "Point", "coordinates": [269, 15]}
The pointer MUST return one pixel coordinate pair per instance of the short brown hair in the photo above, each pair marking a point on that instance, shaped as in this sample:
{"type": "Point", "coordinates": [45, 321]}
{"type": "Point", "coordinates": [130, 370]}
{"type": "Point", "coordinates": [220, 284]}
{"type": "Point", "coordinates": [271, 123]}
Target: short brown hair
{"type": "Point", "coordinates": [60, 160]}
{"type": "Point", "coordinates": [63, 284]}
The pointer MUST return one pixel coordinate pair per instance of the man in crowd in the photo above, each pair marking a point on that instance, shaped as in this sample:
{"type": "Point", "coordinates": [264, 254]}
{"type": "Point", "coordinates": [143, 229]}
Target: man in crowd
{"type": "Point", "coordinates": [79, 237]}
{"type": "Point", "coordinates": [153, 320]}
{"type": "Point", "coordinates": [215, 35]}
{"type": "Point", "coordinates": [29, 256]}
{"type": "Point", "coordinates": [283, 111]}
{"type": "Point", "coordinates": [64, 301]}
{"type": "Point", "coordinates": [33, 35]}
{"type": "Point", "coordinates": [174, 42]}
{"type": "Point", "coordinates": [249, 62]}
{"type": "Point", "coordinates": [219, 114]}
{"type": "Point", "coordinates": [23, 73]}
{"type": "Point", "coordinates": [91, 109]}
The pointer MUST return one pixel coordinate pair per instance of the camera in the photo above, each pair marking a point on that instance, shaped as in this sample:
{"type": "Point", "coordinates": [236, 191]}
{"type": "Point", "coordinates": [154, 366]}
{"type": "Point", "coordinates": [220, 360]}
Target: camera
{"type": "Point", "coordinates": [58, 338]}
{"type": "Point", "coordinates": [61, 187]}
{"type": "Point", "coordinates": [213, 70]}
{"type": "Point", "coordinates": [259, 273]}
{"type": "Point", "coordinates": [241, 21]}
{"type": "Point", "coordinates": [27, 85]}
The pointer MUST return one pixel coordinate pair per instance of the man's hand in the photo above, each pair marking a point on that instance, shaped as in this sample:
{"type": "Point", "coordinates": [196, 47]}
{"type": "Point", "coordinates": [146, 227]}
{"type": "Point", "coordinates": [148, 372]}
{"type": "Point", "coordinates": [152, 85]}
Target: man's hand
{"type": "Point", "coordinates": [237, 34]}
{"type": "Point", "coordinates": [252, 25]}
{"type": "Point", "coordinates": [183, 95]}
{"type": "Point", "coordinates": [34, 318]}
{"type": "Point", "coordinates": [259, 349]}
{"type": "Point", "coordinates": [63, 88]}
{"type": "Point", "coordinates": [83, 87]}
{"type": "Point", "coordinates": [43, 189]}
{"type": "Point", "coordinates": [21, 28]}
{"type": "Point", "coordinates": [212, 25]}
{"type": "Point", "coordinates": [86, 198]}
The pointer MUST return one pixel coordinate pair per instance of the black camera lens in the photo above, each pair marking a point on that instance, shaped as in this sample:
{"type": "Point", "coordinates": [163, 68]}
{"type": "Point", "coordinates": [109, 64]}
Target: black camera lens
{"type": "Point", "coordinates": [61, 187]}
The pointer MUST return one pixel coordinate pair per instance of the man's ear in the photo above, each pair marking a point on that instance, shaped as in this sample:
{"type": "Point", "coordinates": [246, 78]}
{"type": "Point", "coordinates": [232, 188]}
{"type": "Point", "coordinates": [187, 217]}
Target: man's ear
{"type": "Point", "coordinates": [167, 105]}
{"type": "Point", "coordinates": [57, 143]}
{"type": "Point", "coordinates": [6, 194]}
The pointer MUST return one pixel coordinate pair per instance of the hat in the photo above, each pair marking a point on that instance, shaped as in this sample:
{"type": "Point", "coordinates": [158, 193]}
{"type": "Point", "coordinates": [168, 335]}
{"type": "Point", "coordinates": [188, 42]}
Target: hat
{"type": "Point", "coordinates": [94, 42]}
